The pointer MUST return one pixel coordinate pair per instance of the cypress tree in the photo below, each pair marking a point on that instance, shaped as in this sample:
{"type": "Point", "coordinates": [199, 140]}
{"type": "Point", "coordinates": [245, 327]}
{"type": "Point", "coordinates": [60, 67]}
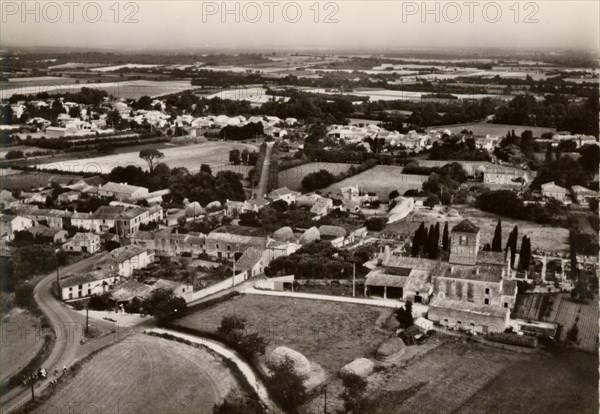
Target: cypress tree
{"type": "Point", "coordinates": [512, 244]}
{"type": "Point", "coordinates": [446, 238]}
{"type": "Point", "coordinates": [497, 240]}
{"type": "Point", "coordinates": [431, 248]}
{"type": "Point", "coordinates": [418, 239]}
{"type": "Point", "coordinates": [525, 256]}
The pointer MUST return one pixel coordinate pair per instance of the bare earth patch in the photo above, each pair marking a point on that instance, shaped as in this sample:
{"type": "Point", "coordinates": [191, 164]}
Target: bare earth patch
{"type": "Point", "coordinates": [22, 339]}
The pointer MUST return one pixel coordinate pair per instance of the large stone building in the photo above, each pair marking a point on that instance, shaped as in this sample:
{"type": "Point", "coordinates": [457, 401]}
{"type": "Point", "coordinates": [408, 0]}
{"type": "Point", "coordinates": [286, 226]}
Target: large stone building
{"type": "Point", "coordinates": [474, 290]}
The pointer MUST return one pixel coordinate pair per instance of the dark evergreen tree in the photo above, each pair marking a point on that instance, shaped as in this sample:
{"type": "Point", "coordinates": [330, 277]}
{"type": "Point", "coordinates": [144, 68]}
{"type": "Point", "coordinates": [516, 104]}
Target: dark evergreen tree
{"type": "Point", "coordinates": [446, 238]}
{"type": "Point", "coordinates": [497, 240]}
{"type": "Point", "coordinates": [512, 244]}
{"type": "Point", "coordinates": [417, 240]}
{"type": "Point", "coordinates": [525, 256]}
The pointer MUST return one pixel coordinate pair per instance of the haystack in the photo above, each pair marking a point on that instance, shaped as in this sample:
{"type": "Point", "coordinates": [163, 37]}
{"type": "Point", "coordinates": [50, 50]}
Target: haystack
{"type": "Point", "coordinates": [213, 206]}
{"type": "Point", "coordinates": [453, 213]}
{"type": "Point", "coordinates": [300, 363]}
{"type": "Point", "coordinates": [194, 209]}
{"type": "Point", "coordinates": [391, 349]}
{"type": "Point", "coordinates": [361, 367]}
{"type": "Point", "coordinates": [284, 234]}
{"type": "Point", "coordinates": [310, 236]}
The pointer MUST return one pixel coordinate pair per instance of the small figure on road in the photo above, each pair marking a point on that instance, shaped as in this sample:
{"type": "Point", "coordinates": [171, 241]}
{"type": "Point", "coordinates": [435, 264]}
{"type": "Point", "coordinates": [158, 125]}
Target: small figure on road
{"type": "Point", "coordinates": [64, 368]}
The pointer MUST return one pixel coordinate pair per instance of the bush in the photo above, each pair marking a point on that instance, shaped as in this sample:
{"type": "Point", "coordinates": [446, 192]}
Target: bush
{"type": "Point", "coordinates": [376, 223]}
{"type": "Point", "coordinates": [100, 302]}
{"type": "Point", "coordinates": [24, 296]}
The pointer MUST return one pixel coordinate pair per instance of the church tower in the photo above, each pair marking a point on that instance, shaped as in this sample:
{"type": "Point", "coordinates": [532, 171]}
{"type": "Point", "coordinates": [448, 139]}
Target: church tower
{"type": "Point", "coordinates": [464, 243]}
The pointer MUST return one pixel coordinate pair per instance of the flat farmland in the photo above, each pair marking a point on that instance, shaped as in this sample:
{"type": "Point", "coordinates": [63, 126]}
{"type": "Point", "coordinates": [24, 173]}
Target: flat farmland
{"type": "Point", "coordinates": [330, 334]}
{"type": "Point", "coordinates": [27, 180]}
{"type": "Point", "coordinates": [567, 313]}
{"type": "Point", "coordinates": [543, 237]}
{"type": "Point", "coordinates": [216, 154]}
{"type": "Point", "coordinates": [561, 382]}
{"type": "Point", "coordinates": [442, 380]}
{"type": "Point", "coordinates": [22, 339]}
{"type": "Point", "coordinates": [145, 374]}
{"type": "Point", "coordinates": [292, 178]}
{"type": "Point", "coordinates": [381, 179]}
{"type": "Point", "coordinates": [483, 128]}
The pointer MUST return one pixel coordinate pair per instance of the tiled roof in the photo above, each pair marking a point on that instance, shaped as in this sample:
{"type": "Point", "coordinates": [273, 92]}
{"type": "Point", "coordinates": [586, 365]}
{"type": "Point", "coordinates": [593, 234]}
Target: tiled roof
{"type": "Point", "coordinates": [109, 212]}
{"type": "Point", "coordinates": [466, 226]}
{"type": "Point", "coordinates": [378, 278]}
{"type": "Point", "coordinates": [130, 289]}
{"type": "Point", "coordinates": [126, 252]}
{"type": "Point", "coordinates": [249, 259]}
{"type": "Point", "coordinates": [488, 257]}
{"type": "Point", "coordinates": [81, 278]}
{"type": "Point", "coordinates": [120, 188]}
{"type": "Point", "coordinates": [470, 307]}
{"type": "Point", "coordinates": [478, 273]}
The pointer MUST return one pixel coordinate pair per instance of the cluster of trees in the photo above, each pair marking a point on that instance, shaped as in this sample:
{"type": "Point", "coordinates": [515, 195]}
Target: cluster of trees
{"type": "Point", "coordinates": [446, 184]}
{"type": "Point", "coordinates": [554, 111]}
{"type": "Point", "coordinates": [457, 148]}
{"type": "Point", "coordinates": [30, 260]}
{"type": "Point", "coordinates": [232, 331]}
{"type": "Point", "coordinates": [517, 149]}
{"type": "Point", "coordinates": [202, 186]}
{"type": "Point", "coordinates": [240, 133]}
{"type": "Point", "coordinates": [320, 260]}
{"type": "Point", "coordinates": [567, 172]}
{"type": "Point", "coordinates": [276, 215]}
{"type": "Point", "coordinates": [237, 157]}
{"type": "Point", "coordinates": [426, 243]}
{"type": "Point", "coordinates": [507, 203]}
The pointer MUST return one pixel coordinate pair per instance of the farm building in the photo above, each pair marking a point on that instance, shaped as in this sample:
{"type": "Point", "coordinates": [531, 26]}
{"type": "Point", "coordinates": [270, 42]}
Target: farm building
{"type": "Point", "coordinates": [473, 317]}
{"type": "Point", "coordinates": [583, 196]}
{"type": "Point", "coordinates": [122, 191]}
{"type": "Point", "coordinates": [87, 284]}
{"type": "Point", "coordinates": [11, 224]}
{"type": "Point", "coordinates": [284, 194]}
{"type": "Point", "coordinates": [51, 233]}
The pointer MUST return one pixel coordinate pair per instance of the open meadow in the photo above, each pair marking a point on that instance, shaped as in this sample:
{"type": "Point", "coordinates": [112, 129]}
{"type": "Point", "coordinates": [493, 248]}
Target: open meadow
{"type": "Point", "coordinates": [543, 237]}
{"type": "Point", "coordinates": [145, 374]}
{"type": "Point", "coordinates": [494, 130]}
{"type": "Point", "coordinates": [381, 179]}
{"type": "Point", "coordinates": [292, 178]}
{"type": "Point", "coordinates": [191, 156]}
{"type": "Point", "coordinates": [330, 334]}
{"type": "Point", "coordinates": [558, 382]}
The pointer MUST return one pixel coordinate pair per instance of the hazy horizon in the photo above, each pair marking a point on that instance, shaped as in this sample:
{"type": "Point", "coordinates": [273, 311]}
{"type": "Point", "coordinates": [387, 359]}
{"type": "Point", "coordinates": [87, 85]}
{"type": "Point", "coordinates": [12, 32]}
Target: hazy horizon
{"type": "Point", "coordinates": [376, 25]}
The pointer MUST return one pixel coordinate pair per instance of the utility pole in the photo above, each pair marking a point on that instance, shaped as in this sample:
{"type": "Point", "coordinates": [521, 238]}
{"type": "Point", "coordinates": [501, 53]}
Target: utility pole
{"type": "Point", "coordinates": [325, 402]}
{"type": "Point", "coordinates": [353, 279]}
{"type": "Point", "coordinates": [87, 319]}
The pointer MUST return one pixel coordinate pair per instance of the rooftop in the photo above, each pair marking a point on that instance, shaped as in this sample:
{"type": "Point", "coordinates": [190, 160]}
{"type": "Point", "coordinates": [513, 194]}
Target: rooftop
{"type": "Point", "coordinates": [77, 279]}
{"type": "Point", "coordinates": [466, 226]}
{"type": "Point", "coordinates": [130, 289]}
{"type": "Point", "coordinates": [126, 252]}
{"type": "Point", "coordinates": [491, 274]}
{"type": "Point", "coordinates": [492, 258]}
{"type": "Point", "coordinates": [470, 307]}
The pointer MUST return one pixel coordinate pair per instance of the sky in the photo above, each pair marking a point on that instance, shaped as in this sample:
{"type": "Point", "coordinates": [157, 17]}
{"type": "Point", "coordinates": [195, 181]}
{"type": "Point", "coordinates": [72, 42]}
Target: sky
{"type": "Point", "coordinates": [324, 25]}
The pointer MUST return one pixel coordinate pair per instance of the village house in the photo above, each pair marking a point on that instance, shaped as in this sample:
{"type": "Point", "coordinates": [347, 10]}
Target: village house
{"type": "Point", "coordinates": [284, 194]}
{"type": "Point", "coordinates": [583, 196]}
{"type": "Point", "coordinates": [129, 221]}
{"type": "Point", "coordinates": [551, 190]}
{"type": "Point", "coordinates": [181, 290]}
{"type": "Point", "coordinates": [7, 200]}
{"type": "Point", "coordinates": [55, 234]}
{"type": "Point", "coordinates": [51, 217]}
{"type": "Point", "coordinates": [235, 208]}
{"type": "Point", "coordinates": [321, 207]}
{"type": "Point", "coordinates": [68, 197]}
{"type": "Point", "coordinates": [11, 224]}
{"type": "Point", "coordinates": [232, 241]}
{"type": "Point", "coordinates": [87, 284]}
{"type": "Point", "coordinates": [166, 243]}
{"type": "Point", "coordinates": [124, 260]}
{"type": "Point", "coordinates": [122, 191]}
{"type": "Point", "coordinates": [83, 243]}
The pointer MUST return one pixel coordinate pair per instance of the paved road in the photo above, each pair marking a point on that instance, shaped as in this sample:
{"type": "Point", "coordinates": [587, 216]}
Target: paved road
{"type": "Point", "coordinates": [263, 183]}
{"type": "Point", "coordinates": [68, 327]}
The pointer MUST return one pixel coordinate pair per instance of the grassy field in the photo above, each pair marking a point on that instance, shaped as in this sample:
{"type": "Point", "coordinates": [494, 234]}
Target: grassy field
{"type": "Point", "coordinates": [564, 382]}
{"type": "Point", "coordinates": [26, 180]}
{"type": "Point", "coordinates": [328, 333]}
{"type": "Point", "coordinates": [545, 238]}
{"type": "Point", "coordinates": [216, 154]}
{"type": "Point", "coordinates": [145, 374]}
{"type": "Point", "coordinates": [381, 179]}
{"type": "Point", "coordinates": [482, 128]}
{"type": "Point", "coordinates": [292, 178]}
{"type": "Point", "coordinates": [22, 339]}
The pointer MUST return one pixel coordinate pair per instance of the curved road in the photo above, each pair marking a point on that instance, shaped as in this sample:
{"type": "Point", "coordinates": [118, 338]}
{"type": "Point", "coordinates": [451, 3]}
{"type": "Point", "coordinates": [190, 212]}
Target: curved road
{"type": "Point", "coordinates": [68, 327]}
